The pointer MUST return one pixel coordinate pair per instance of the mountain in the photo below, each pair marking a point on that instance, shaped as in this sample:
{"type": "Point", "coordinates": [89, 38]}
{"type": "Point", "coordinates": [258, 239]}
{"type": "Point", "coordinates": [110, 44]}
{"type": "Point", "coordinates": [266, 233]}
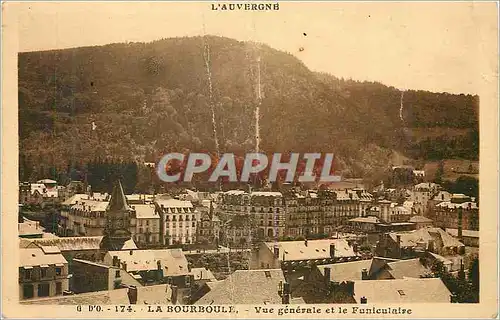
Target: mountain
{"type": "Point", "coordinates": [141, 100]}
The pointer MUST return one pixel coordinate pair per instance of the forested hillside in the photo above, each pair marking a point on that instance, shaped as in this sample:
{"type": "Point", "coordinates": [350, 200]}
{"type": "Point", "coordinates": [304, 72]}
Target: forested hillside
{"type": "Point", "coordinates": [136, 101]}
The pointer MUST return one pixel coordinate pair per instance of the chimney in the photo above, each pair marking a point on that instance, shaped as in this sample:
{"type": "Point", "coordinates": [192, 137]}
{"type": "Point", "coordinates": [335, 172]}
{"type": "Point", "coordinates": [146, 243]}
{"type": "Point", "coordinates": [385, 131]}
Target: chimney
{"type": "Point", "coordinates": [173, 298]}
{"type": "Point", "coordinates": [305, 242]}
{"type": "Point", "coordinates": [430, 246]}
{"type": "Point", "coordinates": [131, 252]}
{"type": "Point", "coordinates": [285, 299]}
{"type": "Point", "coordinates": [124, 265]}
{"type": "Point", "coordinates": [350, 288]}
{"type": "Point", "coordinates": [276, 251]}
{"type": "Point", "coordinates": [328, 274]}
{"type": "Point", "coordinates": [132, 294]}
{"type": "Point", "coordinates": [115, 261]}
{"type": "Point", "coordinates": [364, 274]}
{"type": "Point", "coordinates": [332, 250]}
{"type": "Point", "coordinates": [363, 300]}
{"type": "Point", "coordinates": [159, 271]}
{"type": "Point", "coordinates": [398, 239]}
{"type": "Point", "coordinates": [460, 223]}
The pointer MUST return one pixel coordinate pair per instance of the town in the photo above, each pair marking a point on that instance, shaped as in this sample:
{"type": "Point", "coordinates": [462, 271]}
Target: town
{"type": "Point", "coordinates": [281, 243]}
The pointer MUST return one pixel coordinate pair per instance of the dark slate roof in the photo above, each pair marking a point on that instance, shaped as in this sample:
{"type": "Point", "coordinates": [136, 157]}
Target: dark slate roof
{"type": "Point", "coordinates": [118, 201]}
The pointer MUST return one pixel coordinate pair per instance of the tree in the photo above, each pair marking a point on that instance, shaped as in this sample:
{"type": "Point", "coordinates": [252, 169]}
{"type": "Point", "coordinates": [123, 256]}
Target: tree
{"type": "Point", "coordinates": [463, 290]}
{"type": "Point", "coordinates": [439, 173]}
{"type": "Point", "coordinates": [473, 275]}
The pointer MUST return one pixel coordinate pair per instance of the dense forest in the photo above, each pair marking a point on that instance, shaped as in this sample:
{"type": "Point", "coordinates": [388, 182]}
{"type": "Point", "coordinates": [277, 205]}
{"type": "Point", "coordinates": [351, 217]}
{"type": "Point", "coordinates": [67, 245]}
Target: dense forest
{"type": "Point", "coordinates": [136, 101]}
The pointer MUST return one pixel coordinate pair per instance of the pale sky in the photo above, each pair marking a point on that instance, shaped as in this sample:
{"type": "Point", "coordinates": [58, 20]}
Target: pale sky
{"type": "Point", "coordinates": [431, 46]}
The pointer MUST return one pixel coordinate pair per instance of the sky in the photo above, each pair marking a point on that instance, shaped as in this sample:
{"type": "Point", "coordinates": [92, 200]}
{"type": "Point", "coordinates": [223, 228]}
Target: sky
{"type": "Point", "coordinates": [442, 47]}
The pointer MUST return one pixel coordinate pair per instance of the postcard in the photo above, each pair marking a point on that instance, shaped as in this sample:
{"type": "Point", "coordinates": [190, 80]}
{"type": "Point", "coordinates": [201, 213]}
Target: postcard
{"type": "Point", "coordinates": [249, 159]}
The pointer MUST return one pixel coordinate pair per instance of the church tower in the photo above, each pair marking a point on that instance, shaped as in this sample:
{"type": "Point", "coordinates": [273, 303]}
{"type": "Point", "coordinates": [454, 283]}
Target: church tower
{"type": "Point", "coordinates": [118, 214]}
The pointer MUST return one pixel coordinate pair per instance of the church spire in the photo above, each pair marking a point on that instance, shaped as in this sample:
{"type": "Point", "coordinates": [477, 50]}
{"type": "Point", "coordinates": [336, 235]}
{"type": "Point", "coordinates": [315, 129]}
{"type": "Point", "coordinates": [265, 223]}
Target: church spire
{"type": "Point", "coordinates": [118, 201]}
{"type": "Point", "coordinates": [118, 213]}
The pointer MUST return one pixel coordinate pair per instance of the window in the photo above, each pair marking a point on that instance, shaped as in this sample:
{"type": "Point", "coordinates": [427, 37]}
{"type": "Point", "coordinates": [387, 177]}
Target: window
{"type": "Point", "coordinates": [43, 290]}
{"type": "Point", "coordinates": [43, 272]}
{"type": "Point", "coordinates": [27, 274]}
{"type": "Point", "coordinates": [58, 271]}
{"type": "Point", "coordinates": [268, 274]}
{"type": "Point", "coordinates": [58, 287]}
{"type": "Point", "coordinates": [401, 293]}
{"type": "Point", "coordinates": [147, 222]}
{"type": "Point", "coordinates": [117, 274]}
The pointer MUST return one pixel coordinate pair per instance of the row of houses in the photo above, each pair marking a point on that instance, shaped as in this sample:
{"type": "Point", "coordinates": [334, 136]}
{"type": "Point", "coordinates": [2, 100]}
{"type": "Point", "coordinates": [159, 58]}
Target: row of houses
{"type": "Point", "coordinates": [264, 216]}
{"type": "Point", "coordinates": [165, 221]}
{"type": "Point", "coordinates": [47, 192]}
{"type": "Point", "coordinates": [290, 272]}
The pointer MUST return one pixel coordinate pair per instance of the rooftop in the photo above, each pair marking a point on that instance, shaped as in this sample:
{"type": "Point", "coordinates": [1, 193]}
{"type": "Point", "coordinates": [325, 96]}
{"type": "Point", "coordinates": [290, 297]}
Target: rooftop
{"type": "Point", "coordinates": [369, 219]}
{"type": "Point", "coordinates": [411, 268]}
{"type": "Point", "coordinates": [90, 205]}
{"type": "Point", "coordinates": [315, 249]}
{"type": "Point", "coordinates": [173, 261]}
{"type": "Point", "coordinates": [265, 194]}
{"type": "Point", "coordinates": [75, 198]}
{"type": "Point", "coordinates": [411, 239]}
{"type": "Point", "coordinates": [118, 201]}
{"type": "Point", "coordinates": [174, 203]}
{"type": "Point", "coordinates": [463, 205]}
{"type": "Point", "coordinates": [47, 181]}
{"type": "Point", "coordinates": [73, 243]}
{"type": "Point", "coordinates": [234, 192]}
{"type": "Point", "coordinates": [202, 274]}
{"type": "Point", "coordinates": [145, 211]}
{"type": "Point", "coordinates": [246, 287]}
{"type": "Point", "coordinates": [426, 185]}
{"type": "Point", "coordinates": [398, 269]}
{"type": "Point", "coordinates": [465, 233]}
{"type": "Point", "coordinates": [28, 227]}
{"type": "Point", "coordinates": [428, 290]}
{"type": "Point", "coordinates": [30, 257]}
{"type": "Point", "coordinates": [347, 271]}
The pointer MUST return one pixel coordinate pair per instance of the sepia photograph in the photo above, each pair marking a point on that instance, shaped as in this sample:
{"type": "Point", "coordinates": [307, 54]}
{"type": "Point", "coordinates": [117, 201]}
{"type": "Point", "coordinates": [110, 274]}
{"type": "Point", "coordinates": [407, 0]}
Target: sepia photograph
{"type": "Point", "coordinates": [250, 159]}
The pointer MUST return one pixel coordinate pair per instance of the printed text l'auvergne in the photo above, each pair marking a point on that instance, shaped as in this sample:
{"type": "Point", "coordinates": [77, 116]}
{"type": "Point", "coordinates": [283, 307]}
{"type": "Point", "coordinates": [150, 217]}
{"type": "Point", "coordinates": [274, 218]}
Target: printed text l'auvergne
{"type": "Point", "coordinates": [275, 6]}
